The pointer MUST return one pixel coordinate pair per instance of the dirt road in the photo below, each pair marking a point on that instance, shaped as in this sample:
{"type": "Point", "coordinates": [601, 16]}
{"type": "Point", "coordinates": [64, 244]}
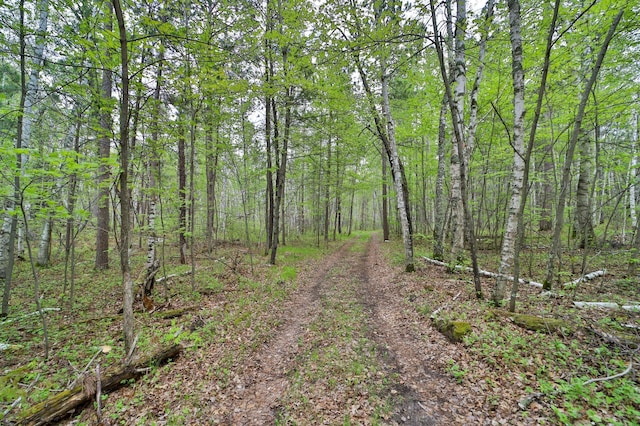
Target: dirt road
{"type": "Point", "coordinates": [287, 380]}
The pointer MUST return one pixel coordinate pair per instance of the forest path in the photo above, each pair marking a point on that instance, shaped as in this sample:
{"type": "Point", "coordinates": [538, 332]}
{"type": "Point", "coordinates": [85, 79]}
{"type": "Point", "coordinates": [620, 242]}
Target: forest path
{"type": "Point", "coordinates": [346, 345]}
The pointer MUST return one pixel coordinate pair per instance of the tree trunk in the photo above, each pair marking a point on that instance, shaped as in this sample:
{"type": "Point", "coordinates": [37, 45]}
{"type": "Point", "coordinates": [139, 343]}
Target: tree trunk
{"type": "Point", "coordinates": [554, 253]}
{"type": "Point", "coordinates": [125, 199]}
{"type": "Point", "coordinates": [529, 148]}
{"type": "Point", "coordinates": [510, 235]}
{"type": "Point", "coordinates": [458, 156]}
{"type": "Point", "coordinates": [182, 193]}
{"type": "Point", "coordinates": [44, 249]}
{"type": "Point", "coordinates": [459, 137]}
{"type": "Point", "coordinates": [211, 166]}
{"type": "Point", "coordinates": [104, 152]}
{"type": "Point", "coordinates": [72, 143]}
{"type": "Point", "coordinates": [584, 218]}
{"type": "Point", "coordinates": [385, 199]}
{"type": "Point", "coordinates": [61, 404]}
{"type": "Point", "coordinates": [327, 191]}
{"type": "Point", "coordinates": [153, 265]}
{"type": "Point", "coordinates": [547, 190]}
{"type": "Point", "coordinates": [398, 174]}
{"type": "Point", "coordinates": [635, 252]}
{"type": "Point", "coordinates": [439, 214]}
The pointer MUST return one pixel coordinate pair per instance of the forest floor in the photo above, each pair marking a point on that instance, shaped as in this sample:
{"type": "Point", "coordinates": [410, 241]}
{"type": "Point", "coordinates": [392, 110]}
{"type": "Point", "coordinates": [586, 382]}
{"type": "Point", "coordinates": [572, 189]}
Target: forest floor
{"type": "Point", "coordinates": [344, 336]}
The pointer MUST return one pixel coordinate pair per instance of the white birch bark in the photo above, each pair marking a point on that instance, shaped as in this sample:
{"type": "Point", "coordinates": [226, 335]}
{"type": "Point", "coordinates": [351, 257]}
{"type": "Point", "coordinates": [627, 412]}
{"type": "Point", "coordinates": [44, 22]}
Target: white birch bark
{"type": "Point", "coordinates": [31, 99]}
{"type": "Point", "coordinates": [473, 106]}
{"type": "Point", "coordinates": [633, 173]}
{"type": "Point", "coordinates": [44, 249]}
{"type": "Point", "coordinates": [460, 88]}
{"type": "Point", "coordinates": [517, 179]}
{"type": "Point", "coordinates": [407, 238]}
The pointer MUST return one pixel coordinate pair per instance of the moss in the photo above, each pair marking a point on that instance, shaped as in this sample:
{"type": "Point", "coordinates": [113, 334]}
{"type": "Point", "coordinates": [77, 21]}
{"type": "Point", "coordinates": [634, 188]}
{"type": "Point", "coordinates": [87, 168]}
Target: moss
{"type": "Point", "coordinates": [535, 323]}
{"type": "Point", "coordinates": [453, 330]}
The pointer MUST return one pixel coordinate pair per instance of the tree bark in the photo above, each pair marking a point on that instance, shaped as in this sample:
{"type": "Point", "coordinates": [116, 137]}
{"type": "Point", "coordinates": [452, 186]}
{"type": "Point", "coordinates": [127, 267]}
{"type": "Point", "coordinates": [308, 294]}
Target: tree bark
{"type": "Point", "coordinates": [104, 152]}
{"type": "Point", "coordinates": [44, 249]}
{"type": "Point", "coordinates": [399, 180]}
{"type": "Point", "coordinates": [510, 235]}
{"type": "Point", "coordinates": [152, 266]}
{"type": "Point", "coordinates": [125, 199]}
{"type": "Point", "coordinates": [584, 218]}
{"type": "Point", "coordinates": [65, 403]}
{"type": "Point", "coordinates": [527, 159]}
{"type": "Point", "coordinates": [182, 193]}
{"type": "Point", "coordinates": [458, 153]}
{"type": "Point", "coordinates": [439, 208]}
{"type": "Point", "coordinates": [385, 199]}
{"type": "Point", "coordinates": [211, 166]}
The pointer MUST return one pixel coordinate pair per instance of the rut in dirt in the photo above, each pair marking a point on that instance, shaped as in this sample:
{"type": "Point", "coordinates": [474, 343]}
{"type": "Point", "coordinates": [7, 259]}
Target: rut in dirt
{"type": "Point", "coordinates": [263, 379]}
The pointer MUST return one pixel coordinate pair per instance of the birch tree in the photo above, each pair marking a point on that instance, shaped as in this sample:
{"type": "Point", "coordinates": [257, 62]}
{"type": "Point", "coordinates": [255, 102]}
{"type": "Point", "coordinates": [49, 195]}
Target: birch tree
{"type": "Point", "coordinates": [517, 176]}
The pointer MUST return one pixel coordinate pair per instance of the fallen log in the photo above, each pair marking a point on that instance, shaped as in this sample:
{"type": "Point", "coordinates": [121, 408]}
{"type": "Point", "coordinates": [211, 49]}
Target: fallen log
{"type": "Point", "coordinates": [536, 323]}
{"type": "Point", "coordinates": [484, 273]}
{"type": "Point", "coordinates": [66, 402]}
{"type": "Point", "coordinates": [607, 305]}
{"type": "Point", "coordinates": [175, 313]}
{"type": "Point", "coordinates": [587, 277]}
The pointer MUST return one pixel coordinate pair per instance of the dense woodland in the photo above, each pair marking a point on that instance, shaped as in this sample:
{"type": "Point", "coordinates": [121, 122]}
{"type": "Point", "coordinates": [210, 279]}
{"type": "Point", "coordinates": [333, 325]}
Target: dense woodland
{"type": "Point", "coordinates": [479, 135]}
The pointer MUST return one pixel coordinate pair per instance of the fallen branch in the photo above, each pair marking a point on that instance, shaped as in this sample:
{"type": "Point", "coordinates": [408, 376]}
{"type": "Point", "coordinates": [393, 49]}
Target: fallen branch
{"type": "Point", "coordinates": [12, 406]}
{"type": "Point", "coordinates": [437, 311]}
{"type": "Point", "coordinates": [615, 376]}
{"type": "Point", "coordinates": [9, 321]}
{"type": "Point", "coordinates": [64, 403]}
{"type": "Point", "coordinates": [166, 277]}
{"type": "Point", "coordinates": [526, 401]}
{"type": "Point", "coordinates": [587, 277]}
{"type": "Point", "coordinates": [607, 305]}
{"type": "Point", "coordinates": [484, 273]}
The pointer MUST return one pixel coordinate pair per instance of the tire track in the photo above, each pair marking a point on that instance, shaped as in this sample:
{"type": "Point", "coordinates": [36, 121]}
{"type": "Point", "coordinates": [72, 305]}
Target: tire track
{"type": "Point", "coordinates": [262, 380]}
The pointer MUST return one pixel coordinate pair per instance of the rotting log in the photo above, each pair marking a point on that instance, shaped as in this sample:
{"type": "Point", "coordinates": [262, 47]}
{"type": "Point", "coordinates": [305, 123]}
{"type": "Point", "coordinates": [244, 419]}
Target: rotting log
{"type": "Point", "coordinates": [536, 323]}
{"type": "Point", "coordinates": [65, 403]}
{"type": "Point", "coordinates": [453, 330]}
{"type": "Point", "coordinates": [175, 313]}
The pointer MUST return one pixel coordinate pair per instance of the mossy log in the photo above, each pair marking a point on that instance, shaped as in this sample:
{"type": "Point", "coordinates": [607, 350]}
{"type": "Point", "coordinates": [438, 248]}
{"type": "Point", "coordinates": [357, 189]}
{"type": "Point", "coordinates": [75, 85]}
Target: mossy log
{"type": "Point", "coordinates": [453, 330]}
{"type": "Point", "coordinates": [175, 313]}
{"type": "Point", "coordinates": [536, 323]}
{"type": "Point", "coordinates": [65, 403]}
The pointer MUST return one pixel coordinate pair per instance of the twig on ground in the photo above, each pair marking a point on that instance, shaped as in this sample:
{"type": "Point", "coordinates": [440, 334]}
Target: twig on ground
{"type": "Point", "coordinates": [615, 376]}
{"type": "Point", "coordinates": [9, 321]}
{"type": "Point", "coordinates": [437, 311]}
{"type": "Point", "coordinates": [98, 393]}
{"type": "Point", "coordinates": [12, 406]}
{"type": "Point", "coordinates": [166, 277]}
